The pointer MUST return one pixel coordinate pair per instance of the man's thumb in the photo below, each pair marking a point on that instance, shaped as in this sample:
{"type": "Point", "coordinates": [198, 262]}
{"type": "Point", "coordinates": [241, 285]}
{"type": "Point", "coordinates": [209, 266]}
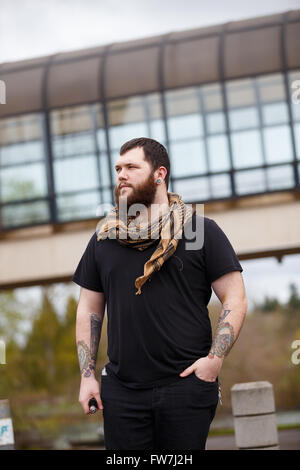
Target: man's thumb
{"type": "Point", "coordinates": [187, 371]}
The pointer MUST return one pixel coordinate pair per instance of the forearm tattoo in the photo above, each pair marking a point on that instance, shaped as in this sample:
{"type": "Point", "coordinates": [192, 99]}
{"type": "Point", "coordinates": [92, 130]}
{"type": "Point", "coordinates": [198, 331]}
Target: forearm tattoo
{"type": "Point", "coordinates": [87, 356]}
{"type": "Point", "coordinates": [224, 336]}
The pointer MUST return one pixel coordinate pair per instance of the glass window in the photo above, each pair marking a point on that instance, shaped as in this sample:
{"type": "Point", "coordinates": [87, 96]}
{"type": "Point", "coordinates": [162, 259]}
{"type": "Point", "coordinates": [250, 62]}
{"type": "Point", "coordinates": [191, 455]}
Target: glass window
{"type": "Point", "coordinates": [243, 118]}
{"type": "Point", "coordinates": [297, 138]}
{"type": "Point", "coordinates": [215, 122]}
{"type": "Point", "coordinates": [251, 181]}
{"type": "Point", "coordinates": [278, 144]}
{"type": "Point", "coordinates": [280, 177]}
{"type": "Point", "coordinates": [75, 144]}
{"type": "Point", "coordinates": [101, 137]}
{"type": "Point", "coordinates": [23, 182]}
{"type": "Point", "coordinates": [104, 170]}
{"type": "Point", "coordinates": [78, 206]}
{"type": "Point", "coordinates": [114, 157]}
{"type": "Point", "coordinates": [246, 149]}
{"type": "Point", "coordinates": [75, 174]}
{"type": "Point", "coordinates": [218, 153]}
{"type": "Point", "coordinates": [73, 120]}
{"type": "Point", "coordinates": [106, 196]}
{"type": "Point", "coordinates": [131, 110]}
{"type": "Point", "coordinates": [14, 215]}
{"type": "Point", "coordinates": [188, 126]}
{"type": "Point", "coordinates": [193, 189]}
{"type": "Point", "coordinates": [153, 105]}
{"type": "Point", "coordinates": [271, 88]}
{"type": "Point", "coordinates": [138, 116]}
{"type": "Point", "coordinates": [294, 88]}
{"type": "Point", "coordinates": [276, 113]}
{"type": "Point", "coordinates": [212, 97]}
{"type": "Point", "coordinates": [157, 131]}
{"type": "Point", "coordinates": [296, 110]}
{"type": "Point", "coordinates": [240, 93]}
{"type": "Point", "coordinates": [220, 186]}
{"type": "Point", "coordinates": [187, 158]}
{"type": "Point", "coordinates": [121, 134]}
{"type": "Point", "coordinates": [21, 129]}
{"type": "Point", "coordinates": [183, 101]}
{"type": "Point", "coordinates": [21, 153]}
{"type": "Point", "coordinates": [22, 170]}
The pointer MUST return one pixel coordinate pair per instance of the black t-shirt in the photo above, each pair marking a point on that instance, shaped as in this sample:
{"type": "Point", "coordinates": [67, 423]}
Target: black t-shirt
{"type": "Point", "coordinates": [154, 336]}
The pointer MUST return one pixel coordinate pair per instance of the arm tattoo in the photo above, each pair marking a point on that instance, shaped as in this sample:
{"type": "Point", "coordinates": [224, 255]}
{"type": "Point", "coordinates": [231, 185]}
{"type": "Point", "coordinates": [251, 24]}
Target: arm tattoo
{"type": "Point", "coordinates": [96, 324]}
{"type": "Point", "coordinates": [84, 357]}
{"type": "Point", "coordinates": [88, 356]}
{"type": "Point", "coordinates": [224, 336]}
{"type": "Point", "coordinates": [224, 313]}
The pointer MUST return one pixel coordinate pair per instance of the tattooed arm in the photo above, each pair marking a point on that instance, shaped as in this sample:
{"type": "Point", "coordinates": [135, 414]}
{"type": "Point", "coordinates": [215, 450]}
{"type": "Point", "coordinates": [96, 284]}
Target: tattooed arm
{"type": "Point", "coordinates": [90, 313]}
{"type": "Point", "coordinates": [231, 292]}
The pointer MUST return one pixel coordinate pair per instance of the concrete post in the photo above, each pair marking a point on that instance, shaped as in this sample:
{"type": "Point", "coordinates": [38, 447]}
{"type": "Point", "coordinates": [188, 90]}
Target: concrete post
{"type": "Point", "coordinates": [6, 428]}
{"type": "Point", "coordinates": [253, 408]}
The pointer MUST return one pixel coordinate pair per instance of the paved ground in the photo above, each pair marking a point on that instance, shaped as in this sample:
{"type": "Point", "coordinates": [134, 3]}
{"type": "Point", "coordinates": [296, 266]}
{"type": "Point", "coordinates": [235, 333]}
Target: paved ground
{"type": "Point", "coordinates": [289, 439]}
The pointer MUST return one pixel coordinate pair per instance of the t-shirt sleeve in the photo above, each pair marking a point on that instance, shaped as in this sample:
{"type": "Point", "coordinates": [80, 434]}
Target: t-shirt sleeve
{"type": "Point", "coordinates": [87, 274]}
{"type": "Point", "coordinates": [220, 257]}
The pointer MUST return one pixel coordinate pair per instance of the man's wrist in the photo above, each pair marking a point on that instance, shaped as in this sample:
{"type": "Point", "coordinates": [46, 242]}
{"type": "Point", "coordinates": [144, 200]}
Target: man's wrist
{"type": "Point", "coordinates": [87, 373]}
{"type": "Point", "coordinates": [213, 355]}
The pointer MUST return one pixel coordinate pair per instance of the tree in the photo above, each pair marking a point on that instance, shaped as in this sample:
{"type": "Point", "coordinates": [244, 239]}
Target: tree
{"type": "Point", "coordinates": [40, 361]}
{"type": "Point", "coordinates": [269, 304]}
{"type": "Point", "coordinates": [294, 300]}
{"type": "Point", "coordinates": [67, 361]}
{"type": "Point", "coordinates": [10, 316]}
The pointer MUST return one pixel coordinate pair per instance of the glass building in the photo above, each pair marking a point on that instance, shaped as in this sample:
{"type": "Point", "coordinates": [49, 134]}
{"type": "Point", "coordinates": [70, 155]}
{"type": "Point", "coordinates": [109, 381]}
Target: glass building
{"type": "Point", "coordinates": [222, 99]}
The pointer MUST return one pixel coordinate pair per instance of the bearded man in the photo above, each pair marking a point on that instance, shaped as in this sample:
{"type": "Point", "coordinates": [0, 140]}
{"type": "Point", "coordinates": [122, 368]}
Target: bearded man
{"type": "Point", "coordinates": [160, 387]}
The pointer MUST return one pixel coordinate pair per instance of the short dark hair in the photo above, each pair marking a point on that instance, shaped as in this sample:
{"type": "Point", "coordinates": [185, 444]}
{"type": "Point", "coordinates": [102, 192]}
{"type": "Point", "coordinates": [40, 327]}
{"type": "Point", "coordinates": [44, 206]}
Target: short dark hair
{"type": "Point", "coordinates": [155, 153]}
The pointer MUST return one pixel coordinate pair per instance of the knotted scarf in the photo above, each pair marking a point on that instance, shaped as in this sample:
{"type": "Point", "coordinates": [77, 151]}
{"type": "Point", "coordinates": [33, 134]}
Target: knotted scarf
{"type": "Point", "coordinates": [168, 228]}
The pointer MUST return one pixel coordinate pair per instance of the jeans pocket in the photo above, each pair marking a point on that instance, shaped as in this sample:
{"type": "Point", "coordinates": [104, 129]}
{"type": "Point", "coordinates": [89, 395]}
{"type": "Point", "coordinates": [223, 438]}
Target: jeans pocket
{"type": "Point", "coordinates": [204, 381]}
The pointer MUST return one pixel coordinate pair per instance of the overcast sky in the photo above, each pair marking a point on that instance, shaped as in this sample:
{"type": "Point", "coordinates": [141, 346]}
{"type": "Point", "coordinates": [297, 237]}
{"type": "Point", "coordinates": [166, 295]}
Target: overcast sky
{"type": "Point", "coordinates": [32, 28]}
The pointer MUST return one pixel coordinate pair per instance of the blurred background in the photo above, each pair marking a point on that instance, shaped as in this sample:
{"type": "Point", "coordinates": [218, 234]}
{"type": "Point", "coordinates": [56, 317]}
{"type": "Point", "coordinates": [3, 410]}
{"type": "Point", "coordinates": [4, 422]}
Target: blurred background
{"type": "Point", "coordinates": [218, 83]}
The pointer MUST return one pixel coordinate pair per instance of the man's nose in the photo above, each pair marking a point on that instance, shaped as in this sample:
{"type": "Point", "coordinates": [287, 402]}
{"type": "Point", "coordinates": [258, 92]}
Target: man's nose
{"type": "Point", "coordinates": [122, 175]}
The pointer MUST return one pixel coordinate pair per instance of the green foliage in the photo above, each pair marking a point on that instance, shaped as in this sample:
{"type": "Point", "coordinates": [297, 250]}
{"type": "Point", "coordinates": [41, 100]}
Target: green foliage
{"type": "Point", "coordinates": [10, 316]}
{"type": "Point", "coordinates": [294, 300]}
{"type": "Point", "coordinates": [272, 304]}
{"type": "Point", "coordinates": [269, 304]}
{"type": "Point", "coordinates": [48, 358]}
{"type": "Point", "coordinates": [40, 352]}
{"type": "Point", "coordinates": [45, 363]}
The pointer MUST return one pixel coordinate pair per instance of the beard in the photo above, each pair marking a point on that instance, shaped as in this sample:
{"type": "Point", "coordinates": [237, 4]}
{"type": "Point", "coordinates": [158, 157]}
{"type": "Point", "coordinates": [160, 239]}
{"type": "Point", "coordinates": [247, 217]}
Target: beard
{"type": "Point", "coordinates": [144, 193]}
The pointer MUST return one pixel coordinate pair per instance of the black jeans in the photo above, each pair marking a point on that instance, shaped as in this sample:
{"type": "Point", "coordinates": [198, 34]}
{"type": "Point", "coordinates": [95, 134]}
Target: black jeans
{"type": "Point", "coordinates": [168, 417]}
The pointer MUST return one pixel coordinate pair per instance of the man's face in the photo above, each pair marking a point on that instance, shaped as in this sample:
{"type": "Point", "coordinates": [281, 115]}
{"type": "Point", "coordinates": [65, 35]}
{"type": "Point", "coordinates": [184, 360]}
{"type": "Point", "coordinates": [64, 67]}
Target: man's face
{"type": "Point", "coordinates": [135, 179]}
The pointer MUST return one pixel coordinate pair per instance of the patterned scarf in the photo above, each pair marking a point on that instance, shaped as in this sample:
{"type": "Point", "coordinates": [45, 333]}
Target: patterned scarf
{"type": "Point", "coordinates": [167, 228]}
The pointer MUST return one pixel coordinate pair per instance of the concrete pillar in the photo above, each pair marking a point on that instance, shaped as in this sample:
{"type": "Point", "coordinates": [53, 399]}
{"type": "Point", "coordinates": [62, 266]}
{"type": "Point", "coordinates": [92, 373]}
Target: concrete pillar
{"type": "Point", "coordinates": [6, 428]}
{"type": "Point", "coordinates": [253, 408]}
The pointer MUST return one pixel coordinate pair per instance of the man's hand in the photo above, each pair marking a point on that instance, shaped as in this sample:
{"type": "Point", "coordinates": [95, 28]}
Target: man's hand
{"type": "Point", "coordinates": [205, 368]}
{"type": "Point", "coordinates": [89, 388]}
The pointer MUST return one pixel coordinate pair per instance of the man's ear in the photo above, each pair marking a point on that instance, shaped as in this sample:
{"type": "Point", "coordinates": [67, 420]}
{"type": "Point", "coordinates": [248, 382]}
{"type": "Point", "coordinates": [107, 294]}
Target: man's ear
{"type": "Point", "coordinates": [161, 173]}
